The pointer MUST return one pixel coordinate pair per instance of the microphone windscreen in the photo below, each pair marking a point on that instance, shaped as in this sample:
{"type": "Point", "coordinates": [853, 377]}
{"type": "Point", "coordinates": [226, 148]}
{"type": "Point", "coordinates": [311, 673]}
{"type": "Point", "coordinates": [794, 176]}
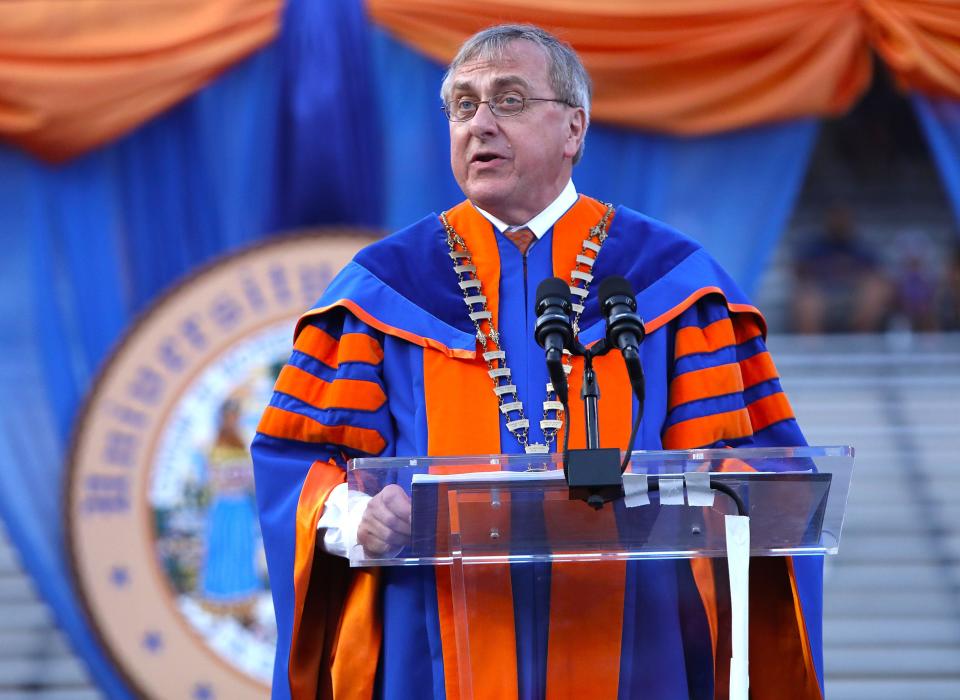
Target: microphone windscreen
{"type": "Point", "coordinates": [615, 285]}
{"type": "Point", "coordinates": [552, 287]}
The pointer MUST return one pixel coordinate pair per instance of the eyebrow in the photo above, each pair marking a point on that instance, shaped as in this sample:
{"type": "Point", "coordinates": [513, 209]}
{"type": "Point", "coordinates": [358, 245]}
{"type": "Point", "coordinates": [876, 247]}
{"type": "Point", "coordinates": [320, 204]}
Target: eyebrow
{"type": "Point", "coordinates": [499, 83]}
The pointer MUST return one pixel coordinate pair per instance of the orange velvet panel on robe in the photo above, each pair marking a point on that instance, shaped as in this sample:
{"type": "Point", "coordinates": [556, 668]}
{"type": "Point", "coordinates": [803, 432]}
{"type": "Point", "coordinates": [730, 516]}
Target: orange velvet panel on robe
{"type": "Point", "coordinates": [463, 418]}
{"type": "Point", "coordinates": [590, 591]}
{"type": "Point", "coordinates": [583, 659]}
{"type": "Point", "coordinates": [77, 74]}
{"type": "Point", "coordinates": [339, 616]}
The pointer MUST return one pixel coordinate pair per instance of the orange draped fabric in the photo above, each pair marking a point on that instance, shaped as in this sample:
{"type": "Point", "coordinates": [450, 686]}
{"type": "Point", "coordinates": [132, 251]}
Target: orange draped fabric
{"type": "Point", "coordinates": [75, 74]}
{"type": "Point", "coordinates": [920, 41]}
{"type": "Point", "coordinates": [702, 66]}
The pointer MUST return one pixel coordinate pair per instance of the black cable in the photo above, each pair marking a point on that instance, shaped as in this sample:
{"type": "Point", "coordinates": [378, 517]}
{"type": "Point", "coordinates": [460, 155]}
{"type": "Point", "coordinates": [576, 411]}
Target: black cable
{"type": "Point", "coordinates": [633, 437]}
{"type": "Point", "coordinates": [724, 488]}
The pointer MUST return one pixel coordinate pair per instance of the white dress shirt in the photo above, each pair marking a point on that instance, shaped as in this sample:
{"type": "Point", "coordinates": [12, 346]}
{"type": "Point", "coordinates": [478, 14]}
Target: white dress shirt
{"type": "Point", "coordinates": [344, 509]}
{"type": "Point", "coordinates": [543, 221]}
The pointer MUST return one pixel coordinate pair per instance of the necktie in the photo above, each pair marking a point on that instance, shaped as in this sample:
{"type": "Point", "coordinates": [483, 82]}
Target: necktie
{"type": "Point", "coordinates": [522, 238]}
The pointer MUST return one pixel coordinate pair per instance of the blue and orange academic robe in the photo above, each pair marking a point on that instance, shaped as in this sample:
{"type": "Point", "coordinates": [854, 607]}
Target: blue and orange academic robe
{"type": "Point", "coordinates": [387, 365]}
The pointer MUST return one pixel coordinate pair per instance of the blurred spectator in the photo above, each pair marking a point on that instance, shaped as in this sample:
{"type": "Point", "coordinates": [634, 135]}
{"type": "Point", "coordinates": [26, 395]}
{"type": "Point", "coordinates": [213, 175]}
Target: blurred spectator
{"type": "Point", "coordinates": [949, 297]}
{"type": "Point", "coordinates": [915, 282]}
{"type": "Point", "coordinates": [841, 286]}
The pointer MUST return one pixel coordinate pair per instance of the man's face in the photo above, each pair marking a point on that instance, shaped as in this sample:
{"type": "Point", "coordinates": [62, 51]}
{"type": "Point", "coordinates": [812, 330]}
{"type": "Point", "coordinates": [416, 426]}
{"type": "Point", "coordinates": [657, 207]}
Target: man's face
{"type": "Point", "coordinates": [515, 166]}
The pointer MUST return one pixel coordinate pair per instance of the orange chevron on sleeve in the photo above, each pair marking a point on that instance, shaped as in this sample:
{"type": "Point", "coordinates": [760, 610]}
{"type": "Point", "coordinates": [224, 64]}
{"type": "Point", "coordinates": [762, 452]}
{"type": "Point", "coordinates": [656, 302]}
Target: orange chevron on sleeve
{"type": "Point", "coordinates": [706, 430]}
{"type": "Point", "coordinates": [355, 394]}
{"type": "Point", "coordinates": [360, 347]}
{"type": "Point", "coordinates": [757, 369]}
{"type": "Point", "coordinates": [692, 340]}
{"type": "Point", "coordinates": [292, 426]}
{"type": "Point", "coordinates": [352, 347]}
{"type": "Point", "coordinates": [705, 383]}
{"type": "Point", "coordinates": [769, 410]}
{"type": "Point", "coordinates": [318, 344]}
{"type": "Point", "coordinates": [745, 327]}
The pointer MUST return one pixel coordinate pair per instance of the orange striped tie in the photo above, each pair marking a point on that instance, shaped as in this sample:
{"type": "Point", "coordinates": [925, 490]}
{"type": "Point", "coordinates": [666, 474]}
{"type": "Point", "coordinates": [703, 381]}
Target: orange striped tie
{"type": "Point", "coordinates": [522, 238]}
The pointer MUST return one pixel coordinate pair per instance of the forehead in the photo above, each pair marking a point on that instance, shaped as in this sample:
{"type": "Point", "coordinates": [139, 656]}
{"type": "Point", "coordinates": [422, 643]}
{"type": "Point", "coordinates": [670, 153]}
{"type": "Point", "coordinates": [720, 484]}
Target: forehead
{"type": "Point", "coordinates": [522, 64]}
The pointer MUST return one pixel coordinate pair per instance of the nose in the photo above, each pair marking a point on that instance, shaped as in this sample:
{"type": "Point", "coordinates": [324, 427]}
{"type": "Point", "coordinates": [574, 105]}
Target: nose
{"type": "Point", "coordinates": [484, 123]}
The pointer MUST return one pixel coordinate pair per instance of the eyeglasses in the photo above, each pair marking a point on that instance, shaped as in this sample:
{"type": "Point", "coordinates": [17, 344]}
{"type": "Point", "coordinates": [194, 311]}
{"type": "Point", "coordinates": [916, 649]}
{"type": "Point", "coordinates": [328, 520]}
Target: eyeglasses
{"type": "Point", "coordinates": [506, 104]}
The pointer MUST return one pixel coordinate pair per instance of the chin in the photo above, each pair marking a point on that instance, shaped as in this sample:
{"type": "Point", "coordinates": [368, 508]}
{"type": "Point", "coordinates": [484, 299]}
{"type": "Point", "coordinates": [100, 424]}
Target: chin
{"type": "Point", "coordinates": [485, 196]}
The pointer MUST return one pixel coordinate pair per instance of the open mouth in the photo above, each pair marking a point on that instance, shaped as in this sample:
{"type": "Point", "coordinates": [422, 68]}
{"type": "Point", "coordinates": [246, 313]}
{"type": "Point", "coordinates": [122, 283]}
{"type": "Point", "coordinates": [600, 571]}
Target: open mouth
{"type": "Point", "coordinates": [485, 157]}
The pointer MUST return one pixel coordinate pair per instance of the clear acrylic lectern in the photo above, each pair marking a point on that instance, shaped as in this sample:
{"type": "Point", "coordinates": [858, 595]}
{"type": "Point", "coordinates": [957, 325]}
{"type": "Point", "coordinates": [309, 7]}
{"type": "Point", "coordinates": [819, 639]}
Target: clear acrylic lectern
{"type": "Point", "coordinates": [479, 514]}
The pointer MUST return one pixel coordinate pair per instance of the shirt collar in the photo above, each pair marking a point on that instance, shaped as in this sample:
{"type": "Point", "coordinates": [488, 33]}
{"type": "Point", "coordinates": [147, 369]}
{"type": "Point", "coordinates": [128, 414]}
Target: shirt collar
{"type": "Point", "coordinates": [543, 221]}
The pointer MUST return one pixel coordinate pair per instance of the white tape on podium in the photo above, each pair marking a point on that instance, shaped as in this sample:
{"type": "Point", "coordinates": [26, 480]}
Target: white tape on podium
{"type": "Point", "coordinates": [671, 492]}
{"type": "Point", "coordinates": [738, 563]}
{"type": "Point", "coordinates": [635, 490]}
{"type": "Point", "coordinates": [698, 489]}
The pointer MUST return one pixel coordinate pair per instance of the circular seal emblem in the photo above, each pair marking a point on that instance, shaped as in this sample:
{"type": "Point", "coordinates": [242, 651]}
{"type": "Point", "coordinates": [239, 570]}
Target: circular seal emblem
{"type": "Point", "coordinates": [161, 512]}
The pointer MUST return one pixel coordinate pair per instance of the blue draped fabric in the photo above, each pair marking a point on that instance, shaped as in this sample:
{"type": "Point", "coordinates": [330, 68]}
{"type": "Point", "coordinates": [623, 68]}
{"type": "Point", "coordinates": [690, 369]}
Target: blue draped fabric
{"type": "Point", "coordinates": [287, 138]}
{"type": "Point", "coordinates": [733, 192]}
{"type": "Point", "coordinates": [940, 120]}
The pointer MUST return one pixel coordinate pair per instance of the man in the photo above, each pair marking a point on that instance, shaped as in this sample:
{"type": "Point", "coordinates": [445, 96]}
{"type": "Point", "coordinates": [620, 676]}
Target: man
{"type": "Point", "coordinates": [390, 363]}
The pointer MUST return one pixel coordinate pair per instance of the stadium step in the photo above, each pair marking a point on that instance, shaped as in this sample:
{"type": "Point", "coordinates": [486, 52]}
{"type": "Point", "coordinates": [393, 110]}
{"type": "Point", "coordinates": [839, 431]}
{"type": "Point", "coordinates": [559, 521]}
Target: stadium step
{"type": "Point", "coordinates": [892, 594]}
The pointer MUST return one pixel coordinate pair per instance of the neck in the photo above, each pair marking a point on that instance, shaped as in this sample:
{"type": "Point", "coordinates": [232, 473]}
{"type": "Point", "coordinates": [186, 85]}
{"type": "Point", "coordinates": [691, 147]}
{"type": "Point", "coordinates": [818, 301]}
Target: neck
{"type": "Point", "coordinates": [519, 213]}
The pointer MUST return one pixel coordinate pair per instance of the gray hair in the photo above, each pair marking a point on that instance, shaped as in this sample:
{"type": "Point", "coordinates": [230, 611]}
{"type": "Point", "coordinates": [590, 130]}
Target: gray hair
{"type": "Point", "coordinates": [568, 77]}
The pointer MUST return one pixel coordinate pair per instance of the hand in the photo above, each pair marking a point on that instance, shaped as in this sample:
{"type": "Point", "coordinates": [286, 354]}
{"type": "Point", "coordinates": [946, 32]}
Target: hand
{"type": "Point", "coordinates": [385, 525]}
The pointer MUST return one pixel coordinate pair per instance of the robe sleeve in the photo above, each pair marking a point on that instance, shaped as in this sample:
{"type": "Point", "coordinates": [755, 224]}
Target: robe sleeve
{"type": "Point", "coordinates": [329, 405]}
{"type": "Point", "coordinates": [724, 387]}
{"type": "Point", "coordinates": [725, 392]}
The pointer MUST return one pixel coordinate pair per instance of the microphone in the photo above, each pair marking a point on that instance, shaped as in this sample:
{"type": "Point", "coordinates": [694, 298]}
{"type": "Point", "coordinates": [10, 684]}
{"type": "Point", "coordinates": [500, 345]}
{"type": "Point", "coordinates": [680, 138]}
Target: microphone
{"type": "Point", "coordinates": [553, 330]}
{"type": "Point", "coordinates": [624, 327]}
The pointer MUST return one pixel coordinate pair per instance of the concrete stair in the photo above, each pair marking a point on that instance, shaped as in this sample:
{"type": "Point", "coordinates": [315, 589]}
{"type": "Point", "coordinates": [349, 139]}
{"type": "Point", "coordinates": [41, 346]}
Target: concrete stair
{"type": "Point", "coordinates": [892, 595]}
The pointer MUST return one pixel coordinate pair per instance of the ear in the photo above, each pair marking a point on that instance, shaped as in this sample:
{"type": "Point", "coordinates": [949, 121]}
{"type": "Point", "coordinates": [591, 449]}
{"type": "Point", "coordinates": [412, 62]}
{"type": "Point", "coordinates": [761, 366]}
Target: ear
{"type": "Point", "coordinates": [577, 130]}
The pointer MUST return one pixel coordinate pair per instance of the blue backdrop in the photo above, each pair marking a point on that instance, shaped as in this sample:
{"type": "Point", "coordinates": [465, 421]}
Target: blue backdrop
{"type": "Point", "coordinates": [940, 119]}
{"type": "Point", "coordinates": [334, 123]}
{"type": "Point", "coordinates": [270, 145]}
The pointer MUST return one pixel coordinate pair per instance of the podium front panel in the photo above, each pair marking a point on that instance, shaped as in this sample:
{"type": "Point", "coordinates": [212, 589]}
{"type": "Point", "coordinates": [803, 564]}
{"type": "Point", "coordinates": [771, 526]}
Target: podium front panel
{"type": "Point", "coordinates": [513, 509]}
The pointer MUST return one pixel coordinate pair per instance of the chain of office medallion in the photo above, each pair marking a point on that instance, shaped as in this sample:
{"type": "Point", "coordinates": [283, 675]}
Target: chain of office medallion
{"type": "Point", "coordinates": [487, 335]}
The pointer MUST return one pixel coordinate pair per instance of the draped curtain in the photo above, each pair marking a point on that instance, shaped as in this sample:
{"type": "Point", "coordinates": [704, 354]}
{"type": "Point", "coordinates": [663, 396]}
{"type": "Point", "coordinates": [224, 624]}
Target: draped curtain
{"type": "Point", "coordinates": [940, 120]}
{"type": "Point", "coordinates": [75, 75]}
{"type": "Point", "coordinates": [266, 146]}
{"type": "Point", "coordinates": [702, 66]}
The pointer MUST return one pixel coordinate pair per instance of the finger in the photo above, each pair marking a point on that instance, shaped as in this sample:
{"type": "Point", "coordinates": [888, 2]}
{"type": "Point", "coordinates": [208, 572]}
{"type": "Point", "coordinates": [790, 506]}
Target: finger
{"type": "Point", "coordinates": [372, 525]}
{"type": "Point", "coordinates": [376, 548]}
{"type": "Point", "coordinates": [372, 543]}
{"type": "Point", "coordinates": [397, 501]}
{"type": "Point", "coordinates": [384, 525]}
{"type": "Point", "coordinates": [393, 509]}
{"type": "Point", "coordinates": [393, 527]}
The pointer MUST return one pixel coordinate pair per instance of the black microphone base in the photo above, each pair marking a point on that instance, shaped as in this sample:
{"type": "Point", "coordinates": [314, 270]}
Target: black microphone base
{"type": "Point", "coordinates": [594, 475]}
